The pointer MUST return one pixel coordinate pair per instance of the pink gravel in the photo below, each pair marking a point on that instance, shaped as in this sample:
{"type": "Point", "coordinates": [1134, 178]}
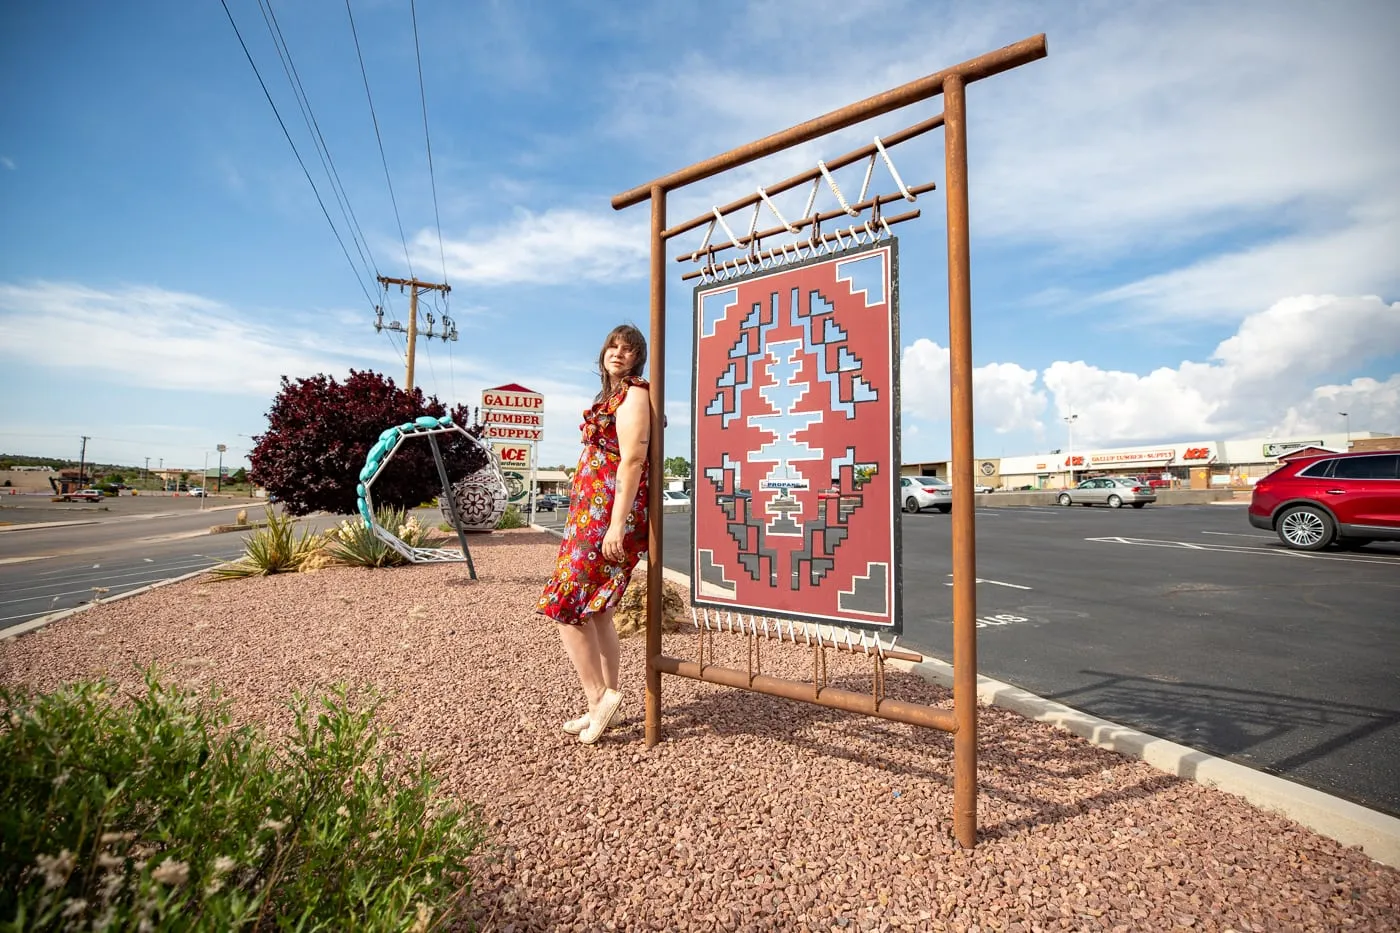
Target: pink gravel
{"type": "Point", "coordinates": [754, 813]}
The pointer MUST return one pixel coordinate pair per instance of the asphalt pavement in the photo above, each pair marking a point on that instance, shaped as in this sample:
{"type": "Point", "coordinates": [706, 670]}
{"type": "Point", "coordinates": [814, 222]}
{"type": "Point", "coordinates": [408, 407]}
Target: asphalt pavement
{"type": "Point", "coordinates": [1181, 621]}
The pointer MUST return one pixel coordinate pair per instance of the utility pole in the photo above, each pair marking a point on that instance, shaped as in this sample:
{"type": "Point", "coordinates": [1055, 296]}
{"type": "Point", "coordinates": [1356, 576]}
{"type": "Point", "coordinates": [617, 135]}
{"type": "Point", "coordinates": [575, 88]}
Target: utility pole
{"type": "Point", "coordinates": [82, 461]}
{"type": "Point", "coordinates": [145, 472]}
{"type": "Point", "coordinates": [449, 329]}
{"type": "Point", "coordinates": [219, 477]}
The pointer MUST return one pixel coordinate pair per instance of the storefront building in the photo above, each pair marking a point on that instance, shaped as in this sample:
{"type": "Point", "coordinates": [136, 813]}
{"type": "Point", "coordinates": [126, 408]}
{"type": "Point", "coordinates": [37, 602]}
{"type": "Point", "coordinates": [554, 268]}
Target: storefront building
{"type": "Point", "coordinates": [1194, 463]}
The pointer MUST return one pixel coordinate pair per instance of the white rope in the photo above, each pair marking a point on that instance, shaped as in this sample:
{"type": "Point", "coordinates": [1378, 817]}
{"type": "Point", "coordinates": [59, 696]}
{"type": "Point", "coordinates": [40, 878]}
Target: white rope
{"type": "Point", "coordinates": [709, 231]}
{"type": "Point", "coordinates": [753, 221]}
{"type": "Point", "coordinates": [732, 238]}
{"type": "Point", "coordinates": [776, 213]}
{"type": "Point", "coordinates": [886, 224]}
{"type": "Point", "coordinates": [894, 173]}
{"type": "Point", "coordinates": [811, 198]}
{"type": "Point", "coordinates": [865, 185]}
{"type": "Point", "coordinates": [840, 199]}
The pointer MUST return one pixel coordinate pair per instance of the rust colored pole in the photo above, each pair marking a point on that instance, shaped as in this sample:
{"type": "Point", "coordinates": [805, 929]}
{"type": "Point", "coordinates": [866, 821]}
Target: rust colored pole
{"type": "Point", "coordinates": [787, 184]}
{"type": "Point", "coordinates": [964, 513]}
{"type": "Point", "coordinates": [983, 66]}
{"type": "Point", "coordinates": [655, 453]}
{"type": "Point", "coordinates": [915, 714]}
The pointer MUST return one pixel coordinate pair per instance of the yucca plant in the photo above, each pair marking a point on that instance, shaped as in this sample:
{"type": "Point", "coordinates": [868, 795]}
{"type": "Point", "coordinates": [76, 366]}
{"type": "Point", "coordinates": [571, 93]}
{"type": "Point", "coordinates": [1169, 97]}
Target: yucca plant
{"type": "Point", "coordinates": [355, 544]}
{"type": "Point", "coordinates": [276, 548]}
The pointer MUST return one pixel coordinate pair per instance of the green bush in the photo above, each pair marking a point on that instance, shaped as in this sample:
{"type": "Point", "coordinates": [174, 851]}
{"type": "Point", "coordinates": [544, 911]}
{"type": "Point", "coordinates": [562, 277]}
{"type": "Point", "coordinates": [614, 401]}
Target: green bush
{"type": "Point", "coordinates": [355, 544]}
{"type": "Point", "coordinates": [275, 548]}
{"type": "Point", "coordinates": [152, 812]}
{"type": "Point", "coordinates": [511, 518]}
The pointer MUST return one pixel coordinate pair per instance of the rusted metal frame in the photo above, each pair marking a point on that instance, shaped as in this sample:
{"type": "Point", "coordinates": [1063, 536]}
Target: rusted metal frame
{"type": "Point", "coordinates": [974, 69]}
{"type": "Point", "coordinates": [915, 714]}
{"type": "Point", "coordinates": [869, 204]}
{"type": "Point", "coordinates": [656, 465]}
{"type": "Point", "coordinates": [711, 268]}
{"type": "Point", "coordinates": [964, 515]}
{"type": "Point", "coordinates": [812, 174]}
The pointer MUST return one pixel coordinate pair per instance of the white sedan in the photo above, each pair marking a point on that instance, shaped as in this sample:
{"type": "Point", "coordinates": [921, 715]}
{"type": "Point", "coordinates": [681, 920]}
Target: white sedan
{"type": "Point", "coordinates": [923, 492]}
{"type": "Point", "coordinates": [675, 497]}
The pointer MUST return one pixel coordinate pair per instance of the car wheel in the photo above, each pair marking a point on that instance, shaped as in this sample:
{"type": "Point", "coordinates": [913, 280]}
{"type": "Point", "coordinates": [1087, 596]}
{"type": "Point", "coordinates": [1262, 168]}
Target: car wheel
{"type": "Point", "coordinates": [945, 509]}
{"type": "Point", "coordinates": [911, 505]}
{"type": "Point", "coordinates": [1115, 502]}
{"type": "Point", "coordinates": [1138, 505]}
{"type": "Point", "coordinates": [1305, 528]}
{"type": "Point", "coordinates": [1064, 499]}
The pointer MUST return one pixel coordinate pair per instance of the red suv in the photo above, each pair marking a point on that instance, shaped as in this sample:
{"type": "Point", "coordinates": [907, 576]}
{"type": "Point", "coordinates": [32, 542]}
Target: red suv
{"type": "Point", "coordinates": [1347, 499]}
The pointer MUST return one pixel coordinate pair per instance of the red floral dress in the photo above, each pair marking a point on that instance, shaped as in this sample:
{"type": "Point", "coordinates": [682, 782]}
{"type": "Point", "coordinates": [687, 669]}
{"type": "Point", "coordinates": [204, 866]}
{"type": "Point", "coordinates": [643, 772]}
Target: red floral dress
{"type": "Point", "coordinates": [585, 582]}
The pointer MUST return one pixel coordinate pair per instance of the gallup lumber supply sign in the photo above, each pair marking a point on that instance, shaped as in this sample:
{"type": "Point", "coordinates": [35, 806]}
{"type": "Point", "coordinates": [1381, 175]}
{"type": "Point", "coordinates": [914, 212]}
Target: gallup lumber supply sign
{"type": "Point", "coordinates": [512, 413]}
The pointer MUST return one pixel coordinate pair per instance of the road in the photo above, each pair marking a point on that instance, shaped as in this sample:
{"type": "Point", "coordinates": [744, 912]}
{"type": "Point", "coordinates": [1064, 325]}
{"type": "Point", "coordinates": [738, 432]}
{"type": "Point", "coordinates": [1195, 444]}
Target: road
{"type": "Point", "coordinates": [87, 552]}
{"type": "Point", "coordinates": [1181, 621]}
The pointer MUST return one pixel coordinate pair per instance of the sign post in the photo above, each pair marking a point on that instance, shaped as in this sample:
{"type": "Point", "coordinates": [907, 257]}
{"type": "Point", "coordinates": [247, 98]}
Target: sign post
{"type": "Point", "coordinates": [513, 417]}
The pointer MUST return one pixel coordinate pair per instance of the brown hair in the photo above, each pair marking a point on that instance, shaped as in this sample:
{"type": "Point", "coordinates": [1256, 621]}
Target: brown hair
{"type": "Point", "coordinates": [629, 336]}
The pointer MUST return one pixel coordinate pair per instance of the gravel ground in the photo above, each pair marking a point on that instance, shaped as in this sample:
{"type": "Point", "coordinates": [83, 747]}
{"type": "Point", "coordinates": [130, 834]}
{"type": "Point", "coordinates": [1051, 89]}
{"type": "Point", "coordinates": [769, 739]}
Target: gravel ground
{"type": "Point", "coordinates": [754, 813]}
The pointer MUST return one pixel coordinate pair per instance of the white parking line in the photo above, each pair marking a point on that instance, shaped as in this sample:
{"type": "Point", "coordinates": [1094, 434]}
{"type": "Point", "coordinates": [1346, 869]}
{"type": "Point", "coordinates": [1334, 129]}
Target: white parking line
{"type": "Point", "coordinates": [1247, 549]}
{"type": "Point", "coordinates": [1014, 586]}
{"type": "Point", "coordinates": [1237, 534]}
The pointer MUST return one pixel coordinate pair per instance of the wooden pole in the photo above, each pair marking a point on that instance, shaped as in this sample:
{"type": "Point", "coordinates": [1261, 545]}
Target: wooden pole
{"type": "Point", "coordinates": [414, 287]}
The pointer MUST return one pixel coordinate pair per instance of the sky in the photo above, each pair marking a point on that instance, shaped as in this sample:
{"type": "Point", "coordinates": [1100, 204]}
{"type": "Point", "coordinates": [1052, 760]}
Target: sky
{"type": "Point", "coordinates": [1185, 220]}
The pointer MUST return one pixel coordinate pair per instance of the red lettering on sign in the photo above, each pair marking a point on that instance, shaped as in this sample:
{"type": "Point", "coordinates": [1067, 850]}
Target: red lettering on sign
{"type": "Point", "coordinates": [1074, 461]}
{"type": "Point", "coordinates": [515, 454]}
{"type": "Point", "coordinates": [1196, 453]}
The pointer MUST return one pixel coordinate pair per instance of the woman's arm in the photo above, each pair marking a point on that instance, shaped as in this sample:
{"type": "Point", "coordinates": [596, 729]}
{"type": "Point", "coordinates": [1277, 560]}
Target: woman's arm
{"type": "Point", "coordinates": [633, 434]}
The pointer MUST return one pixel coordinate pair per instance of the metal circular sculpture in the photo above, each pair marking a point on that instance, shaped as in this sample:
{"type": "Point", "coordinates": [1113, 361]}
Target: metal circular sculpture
{"type": "Point", "coordinates": [487, 479]}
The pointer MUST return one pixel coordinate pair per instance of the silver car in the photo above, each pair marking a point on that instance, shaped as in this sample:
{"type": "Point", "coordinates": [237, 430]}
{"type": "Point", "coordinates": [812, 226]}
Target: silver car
{"type": "Point", "coordinates": [923, 492]}
{"type": "Point", "coordinates": [1112, 491]}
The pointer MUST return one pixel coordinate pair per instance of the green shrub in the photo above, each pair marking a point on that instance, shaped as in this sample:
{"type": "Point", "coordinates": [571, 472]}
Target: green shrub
{"type": "Point", "coordinates": [275, 548]}
{"type": "Point", "coordinates": [511, 518]}
{"type": "Point", "coordinates": [152, 812]}
{"type": "Point", "coordinates": [355, 544]}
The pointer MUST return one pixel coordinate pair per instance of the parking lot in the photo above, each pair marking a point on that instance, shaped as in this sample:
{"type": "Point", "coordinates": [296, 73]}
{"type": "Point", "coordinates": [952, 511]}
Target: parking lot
{"type": "Point", "coordinates": [1182, 621]}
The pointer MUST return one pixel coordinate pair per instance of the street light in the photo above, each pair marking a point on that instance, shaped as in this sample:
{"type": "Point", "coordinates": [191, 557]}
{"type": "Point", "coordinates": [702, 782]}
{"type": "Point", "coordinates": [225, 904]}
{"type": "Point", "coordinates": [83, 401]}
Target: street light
{"type": "Point", "coordinates": [1070, 420]}
{"type": "Point", "coordinates": [219, 479]}
{"type": "Point", "coordinates": [1347, 416]}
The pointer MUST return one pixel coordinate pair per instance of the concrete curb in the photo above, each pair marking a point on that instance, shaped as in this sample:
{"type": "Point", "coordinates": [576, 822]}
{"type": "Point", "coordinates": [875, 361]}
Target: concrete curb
{"type": "Point", "coordinates": [31, 526]}
{"type": "Point", "coordinates": [1377, 834]}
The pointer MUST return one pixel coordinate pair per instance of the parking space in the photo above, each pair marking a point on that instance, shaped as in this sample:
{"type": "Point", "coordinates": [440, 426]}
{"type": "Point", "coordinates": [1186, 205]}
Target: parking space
{"type": "Point", "coordinates": [1182, 621]}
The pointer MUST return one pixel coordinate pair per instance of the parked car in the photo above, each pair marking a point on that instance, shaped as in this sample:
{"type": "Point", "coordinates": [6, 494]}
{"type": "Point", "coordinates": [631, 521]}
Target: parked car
{"type": "Point", "coordinates": [924, 492]}
{"type": "Point", "coordinates": [1348, 499]}
{"type": "Point", "coordinates": [87, 495]}
{"type": "Point", "coordinates": [1112, 491]}
{"type": "Point", "coordinates": [675, 497]}
{"type": "Point", "coordinates": [197, 491]}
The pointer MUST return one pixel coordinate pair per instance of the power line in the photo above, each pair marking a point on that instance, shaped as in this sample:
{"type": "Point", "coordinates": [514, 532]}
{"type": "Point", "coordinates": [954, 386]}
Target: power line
{"type": "Point", "coordinates": [313, 126]}
{"type": "Point", "coordinates": [382, 158]}
{"type": "Point", "coordinates": [300, 161]}
{"type": "Point", "coordinates": [427, 139]}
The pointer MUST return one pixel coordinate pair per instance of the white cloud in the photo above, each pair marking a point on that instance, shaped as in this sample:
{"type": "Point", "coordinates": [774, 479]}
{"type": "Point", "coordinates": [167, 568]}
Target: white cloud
{"type": "Point", "coordinates": [1004, 395]}
{"type": "Point", "coordinates": [1272, 374]}
{"type": "Point", "coordinates": [153, 338]}
{"type": "Point", "coordinates": [556, 246]}
{"type": "Point", "coordinates": [8, 162]}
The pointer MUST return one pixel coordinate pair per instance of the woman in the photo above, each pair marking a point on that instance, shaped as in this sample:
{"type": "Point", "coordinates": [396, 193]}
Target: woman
{"type": "Point", "coordinates": [606, 531]}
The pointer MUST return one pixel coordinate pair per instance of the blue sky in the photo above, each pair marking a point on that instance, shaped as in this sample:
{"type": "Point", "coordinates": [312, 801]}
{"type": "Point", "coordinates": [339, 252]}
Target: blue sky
{"type": "Point", "coordinates": [1186, 220]}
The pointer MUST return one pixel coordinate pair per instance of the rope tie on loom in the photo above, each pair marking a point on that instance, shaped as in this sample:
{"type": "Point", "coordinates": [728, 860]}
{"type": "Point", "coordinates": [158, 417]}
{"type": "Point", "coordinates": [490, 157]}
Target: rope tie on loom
{"type": "Point", "coordinates": [894, 173]}
{"type": "Point", "coordinates": [836, 190]}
